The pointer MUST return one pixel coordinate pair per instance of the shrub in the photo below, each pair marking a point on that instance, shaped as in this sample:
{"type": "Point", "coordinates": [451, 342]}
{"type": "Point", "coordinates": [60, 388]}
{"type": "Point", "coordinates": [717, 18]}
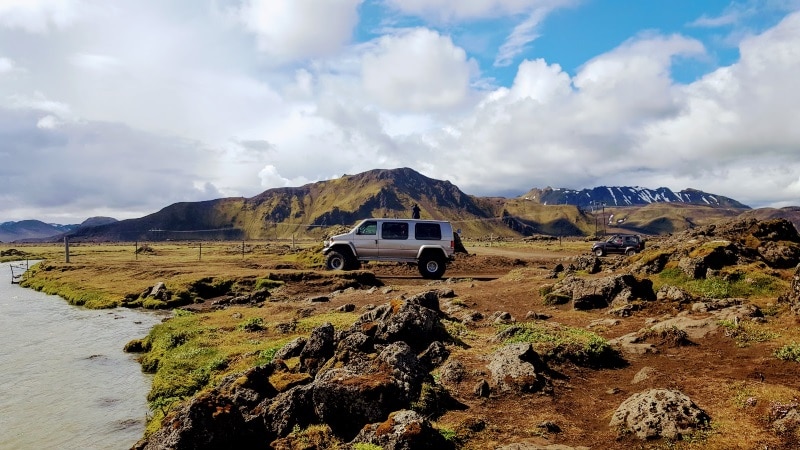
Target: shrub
{"type": "Point", "coordinates": [252, 324]}
{"type": "Point", "coordinates": [789, 352]}
{"type": "Point", "coordinates": [745, 333]}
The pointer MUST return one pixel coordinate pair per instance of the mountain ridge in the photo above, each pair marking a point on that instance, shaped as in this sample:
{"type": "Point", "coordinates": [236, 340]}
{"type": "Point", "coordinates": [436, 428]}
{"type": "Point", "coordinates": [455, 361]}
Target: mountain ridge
{"type": "Point", "coordinates": [628, 196]}
{"type": "Point", "coordinates": [308, 210]}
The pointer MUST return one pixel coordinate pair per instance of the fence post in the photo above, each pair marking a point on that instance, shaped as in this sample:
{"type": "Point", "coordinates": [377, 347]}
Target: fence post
{"type": "Point", "coordinates": [136, 250]}
{"type": "Point", "coordinates": [66, 249]}
{"type": "Point", "coordinates": [200, 253]}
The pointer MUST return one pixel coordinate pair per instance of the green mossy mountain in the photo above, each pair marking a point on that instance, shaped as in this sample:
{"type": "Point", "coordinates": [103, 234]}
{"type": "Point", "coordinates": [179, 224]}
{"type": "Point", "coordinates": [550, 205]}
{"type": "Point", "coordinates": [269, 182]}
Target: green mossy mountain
{"type": "Point", "coordinates": [309, 211]}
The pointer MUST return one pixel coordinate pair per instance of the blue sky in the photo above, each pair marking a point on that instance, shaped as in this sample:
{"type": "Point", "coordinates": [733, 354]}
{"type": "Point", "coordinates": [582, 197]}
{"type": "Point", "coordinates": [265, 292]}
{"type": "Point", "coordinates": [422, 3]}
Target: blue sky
{"type": "Point", "coordinates": [125, 107]}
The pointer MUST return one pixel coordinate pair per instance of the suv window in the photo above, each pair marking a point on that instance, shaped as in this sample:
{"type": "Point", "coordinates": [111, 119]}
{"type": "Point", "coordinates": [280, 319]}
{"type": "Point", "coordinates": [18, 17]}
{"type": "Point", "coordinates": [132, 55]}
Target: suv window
{"type": "Point", "coordinates": [427, 231]}
{"type": "Point", "coordinates": [368, 228]}
{"type": "Point", "coordinates": [394, 230]}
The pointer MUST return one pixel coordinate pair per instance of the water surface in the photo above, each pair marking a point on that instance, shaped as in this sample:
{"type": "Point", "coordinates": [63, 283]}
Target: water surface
{"type": "Point", "coordinates": [64, 380]}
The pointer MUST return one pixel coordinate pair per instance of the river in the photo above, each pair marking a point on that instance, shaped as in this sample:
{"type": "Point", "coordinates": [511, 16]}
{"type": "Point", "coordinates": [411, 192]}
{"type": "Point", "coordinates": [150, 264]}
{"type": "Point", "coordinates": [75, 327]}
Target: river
{"type": "Point", "coordinates": [64, 380]}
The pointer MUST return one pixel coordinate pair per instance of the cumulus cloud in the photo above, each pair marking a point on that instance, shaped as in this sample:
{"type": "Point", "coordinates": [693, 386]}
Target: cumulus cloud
{"type": "Point", "coordinates": [417, 70]}
{"type": "Point", "coordinates": [213, 101]}
{"type": "Point", "coordinates": [290, 30]}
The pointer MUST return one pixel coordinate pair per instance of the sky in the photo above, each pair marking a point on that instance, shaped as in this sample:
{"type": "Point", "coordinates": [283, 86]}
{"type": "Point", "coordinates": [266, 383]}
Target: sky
{"type": "Point", "coordinates": [122, 108]}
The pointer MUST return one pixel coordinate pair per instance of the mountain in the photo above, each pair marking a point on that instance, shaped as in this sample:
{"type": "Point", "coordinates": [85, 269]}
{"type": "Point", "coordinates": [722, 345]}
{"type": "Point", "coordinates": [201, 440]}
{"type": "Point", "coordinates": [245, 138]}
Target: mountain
{"type": "Point", "coordinates": [31, 230]}
{"type": "Point", "coordinates": [95, 221]}
{"type": "Point", "coordinates": [28, 229]}
{"type": "Point", "coordinates": [627, 196]}
{"type": "Point", "coordinates": [310, 211]}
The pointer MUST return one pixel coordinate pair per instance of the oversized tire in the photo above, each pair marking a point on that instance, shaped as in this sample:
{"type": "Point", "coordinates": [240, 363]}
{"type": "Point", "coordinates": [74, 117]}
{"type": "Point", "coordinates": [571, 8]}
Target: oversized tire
{"type": "Point", "coordinates": [336, 261]}
{"type": "Point", "coordinates": [630, 252]}
{"type": "Point", "coordinates": [599, 251]}
{"type": "Point", "coordinates": [431, 266]}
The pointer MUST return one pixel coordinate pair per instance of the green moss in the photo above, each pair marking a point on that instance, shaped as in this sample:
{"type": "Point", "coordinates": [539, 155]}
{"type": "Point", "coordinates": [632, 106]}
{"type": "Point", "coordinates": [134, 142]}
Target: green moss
{"type": "Point", "coordinates": [562, 343]}
{"type": "Point", "coordinates": [266, 283]}
{"type": "Point", "coordinates": [362, 446]}
{"type": "Point", "coordinates": [751, 283]}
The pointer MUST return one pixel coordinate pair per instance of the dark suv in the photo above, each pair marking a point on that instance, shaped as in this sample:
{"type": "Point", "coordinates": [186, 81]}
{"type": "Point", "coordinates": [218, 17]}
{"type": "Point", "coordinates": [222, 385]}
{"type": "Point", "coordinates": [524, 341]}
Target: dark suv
{"type": "Point", "coordinates": [627, 244]}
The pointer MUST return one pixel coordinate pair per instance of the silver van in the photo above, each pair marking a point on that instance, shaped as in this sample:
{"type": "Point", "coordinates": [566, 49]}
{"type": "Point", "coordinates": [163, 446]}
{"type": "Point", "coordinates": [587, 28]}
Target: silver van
{"type": "Point", "coordinates": [428, 243]}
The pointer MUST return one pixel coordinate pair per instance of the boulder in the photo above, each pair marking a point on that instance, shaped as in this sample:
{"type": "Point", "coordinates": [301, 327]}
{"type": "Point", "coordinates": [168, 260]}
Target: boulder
{"type": "Point", "coordinates": [292, 349]}
{"type": "Point", "coordinates": [671, 293]}
{"type": "Point", "coordinates": [517, 368]}
{"type": "Point", "coordinates": [207, 421]}
{"type": "Point", "coordinates": [414, 321]}
{"type": "Point", "coordinates": [403, 430]}
{"type": "Point", "coordinates": [434, 355]}
{"type": "Point", "coordinates": [318, 349]}
{"type": "Point", "coordinates": [289, 409]}
{"type": "Point", "coordinates": [349, 397]}
{"type": "Point", "coordinates": [452, 371]}
{"type": "Point", "coordinates": [589, 293]}
{"type": "Point", "coordinates": [792, 297]}
{"type": "Point", "coordinates": [659, 413]}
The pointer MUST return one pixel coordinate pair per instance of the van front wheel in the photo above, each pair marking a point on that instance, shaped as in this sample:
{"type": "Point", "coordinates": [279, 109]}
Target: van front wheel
{"type": "Point", "coordinates": [431, 266]}
{"type": "Point", "coordinates": [336, 261]}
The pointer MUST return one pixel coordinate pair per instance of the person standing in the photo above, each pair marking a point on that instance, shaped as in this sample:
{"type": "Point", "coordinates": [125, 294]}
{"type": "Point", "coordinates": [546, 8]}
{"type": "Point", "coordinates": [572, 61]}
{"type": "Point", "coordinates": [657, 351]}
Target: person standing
{"type": "Point", "coordinates": [415, 211]}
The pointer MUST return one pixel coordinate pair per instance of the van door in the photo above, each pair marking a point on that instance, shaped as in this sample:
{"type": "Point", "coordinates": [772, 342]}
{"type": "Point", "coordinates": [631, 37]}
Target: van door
{"type": "Point", "coordinates": [365, 239]}
{"type": "Point", "coordinates": [394, 240]}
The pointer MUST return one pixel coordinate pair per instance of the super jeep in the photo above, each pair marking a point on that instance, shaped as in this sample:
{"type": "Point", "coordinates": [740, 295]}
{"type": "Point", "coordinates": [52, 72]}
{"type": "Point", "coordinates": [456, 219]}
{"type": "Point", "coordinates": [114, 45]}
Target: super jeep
{"type": "Point", "coordinates": [430, 244]}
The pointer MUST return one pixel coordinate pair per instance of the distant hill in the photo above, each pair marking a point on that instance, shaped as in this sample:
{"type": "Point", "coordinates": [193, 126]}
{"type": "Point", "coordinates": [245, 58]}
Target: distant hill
{"type": "Point", "coordinates": [790, 213]}
{"type": "Point", "coordinates": [28, 230]}
{"type": "Point", "coordinates": [311, 210]}
{"type": "Point", "coordinates": [628, 196]}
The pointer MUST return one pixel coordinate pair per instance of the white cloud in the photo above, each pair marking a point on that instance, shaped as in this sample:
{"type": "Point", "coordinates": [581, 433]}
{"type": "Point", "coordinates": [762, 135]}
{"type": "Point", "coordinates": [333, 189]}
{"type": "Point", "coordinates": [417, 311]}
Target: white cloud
{"type": "Point", "coordinates": [290, 30]}
{"type": "Point", "coordinates": [117, 119]}
{"type": "Point", "coordinates": [39, 16]}
{"type": "Point", "coordinates": [270, 178]}
{"type": "Point", "coordinates": [417, 70]}
{"type": "Point", "coordinates": [523, 34]}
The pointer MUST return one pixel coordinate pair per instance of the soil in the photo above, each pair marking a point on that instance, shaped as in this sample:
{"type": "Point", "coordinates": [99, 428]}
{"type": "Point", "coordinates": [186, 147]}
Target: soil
{"type": "Point", "coordinates": [716, 373]}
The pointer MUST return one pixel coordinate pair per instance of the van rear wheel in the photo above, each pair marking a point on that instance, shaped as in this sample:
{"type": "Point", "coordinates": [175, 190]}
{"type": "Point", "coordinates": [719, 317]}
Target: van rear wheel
{"type": "Point", "coordinates": [431, 266]}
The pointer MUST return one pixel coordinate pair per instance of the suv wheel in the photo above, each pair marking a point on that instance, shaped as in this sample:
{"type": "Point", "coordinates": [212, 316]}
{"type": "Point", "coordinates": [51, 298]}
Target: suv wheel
{"type": "Point", "coordinates": [630, 252]}
{"type": "Point", "coordinates": [336, 261]}
{"type": "Point", "coordinates": [431, 266]}
{"type": "Point", "coordinates": [599, 252]}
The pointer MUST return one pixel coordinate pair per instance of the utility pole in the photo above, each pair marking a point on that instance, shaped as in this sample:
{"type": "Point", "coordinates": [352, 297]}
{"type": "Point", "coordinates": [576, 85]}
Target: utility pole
{"type": "Point", "coordinates": [604, 218]}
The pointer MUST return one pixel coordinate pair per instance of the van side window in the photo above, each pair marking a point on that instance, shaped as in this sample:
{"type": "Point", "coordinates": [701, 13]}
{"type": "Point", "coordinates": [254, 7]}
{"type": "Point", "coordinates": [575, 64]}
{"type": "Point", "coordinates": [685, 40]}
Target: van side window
{"type": "Point", "coordinates": [394, 230]}
{"type": "Point", "coordinates": [368, 228]}
{"type": "Point", "coordinates": [427, 232]}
